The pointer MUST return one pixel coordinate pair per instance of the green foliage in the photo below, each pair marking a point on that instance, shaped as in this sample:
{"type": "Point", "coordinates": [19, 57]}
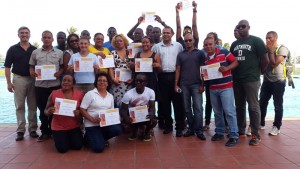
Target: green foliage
{"type": "Point", "coordinates": [72, 30]}
{"type": "Point", "coordinates": [1, 58]}
{"type": "Point", "coordinates": [36, 44]}
{"type": "Point", "coordinates": [226, 46]}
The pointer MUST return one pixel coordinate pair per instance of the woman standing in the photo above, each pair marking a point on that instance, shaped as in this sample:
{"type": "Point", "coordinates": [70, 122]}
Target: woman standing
{"type": "Point", "coordinates": [98, 49]}
{"type": "Point", "coordinates": [94, 102]}
{"type": "Point", "coordinates": [119, 42]}
{"type": "Point", "coordinates": [66, 129]}
{"type": "Point", "coordinates": [84, 80]}
{"type": "Point", "coordinates": [73, 47]}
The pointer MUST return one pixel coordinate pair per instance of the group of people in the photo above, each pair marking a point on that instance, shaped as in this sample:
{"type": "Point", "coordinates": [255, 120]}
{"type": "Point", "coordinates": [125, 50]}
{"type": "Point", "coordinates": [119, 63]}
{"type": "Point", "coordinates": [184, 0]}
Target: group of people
{"type": "Point", "coordinates": [176, 80]}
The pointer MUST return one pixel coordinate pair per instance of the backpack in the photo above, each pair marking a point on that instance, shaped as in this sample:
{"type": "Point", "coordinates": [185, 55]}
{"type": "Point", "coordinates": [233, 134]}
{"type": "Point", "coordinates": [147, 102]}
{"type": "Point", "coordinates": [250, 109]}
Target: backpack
{"type": "Point", "coordinates": [288, 67]}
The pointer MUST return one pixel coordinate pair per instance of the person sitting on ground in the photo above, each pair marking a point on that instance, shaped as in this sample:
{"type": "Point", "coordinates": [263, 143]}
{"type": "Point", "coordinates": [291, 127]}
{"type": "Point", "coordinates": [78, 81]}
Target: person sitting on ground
{"type": "Point", "coordinates": [66, 130]}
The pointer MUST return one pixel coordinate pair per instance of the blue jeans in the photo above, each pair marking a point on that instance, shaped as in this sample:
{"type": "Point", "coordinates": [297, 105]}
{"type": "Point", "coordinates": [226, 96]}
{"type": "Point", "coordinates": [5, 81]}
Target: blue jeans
{"type": "Point", "coordinates": [267, 90]}
{"type": "Point", "coordinates": [96, 136]}
{"type": "Point", "coordinates": [223, 100]}
{"type": "Point", "coordinates": [195, 116]}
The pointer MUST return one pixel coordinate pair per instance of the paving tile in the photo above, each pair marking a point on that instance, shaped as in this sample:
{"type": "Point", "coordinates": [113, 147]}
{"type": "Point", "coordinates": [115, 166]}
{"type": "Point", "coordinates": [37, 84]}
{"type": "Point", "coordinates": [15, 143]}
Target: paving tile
{"type": "Point", "coordinates": [16, 166]}
{"type": "Point", "coordinates": [148, 163]}
{"type": "Point", "coordinates": [6, 158]}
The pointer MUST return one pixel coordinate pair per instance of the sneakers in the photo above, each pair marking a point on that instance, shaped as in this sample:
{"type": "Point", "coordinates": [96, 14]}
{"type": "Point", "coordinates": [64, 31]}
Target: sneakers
{"type": "Point", "coordinates": [248, 133]}
{"type": "Point", "coordinates": [106, 143]}
{"type": "Point", "coordinates": [201, 136]}
{"type": "Point", "coordinates": [167, 130]}
{"type": "Point", "coordinates": [262, 127]}
{"type": "Point", "coordinates": [133, 135]}
{"type": "Point", "coordinates": [20, 136]}
{"type": "Point", "coordinates": [188, 133]}
{"type": "Point", "coordinates": [179, 133]}
{"type": "Point", "coordinates": [206, 127]}
{"type": "Point", "coordinates": [33, 134]}
{"type": "Point", "coordinates": [43, 137]}
{"type": "Point", "coordinates": [217, 137]}
{"type": "Point", "coordinates": [232, 142]}
{"type": "Point", "coordinates": [274, 132]}
{"type": "Point", "coordinates": [254, 140]}
{"type": "Point", "coordinates": [147, 136]}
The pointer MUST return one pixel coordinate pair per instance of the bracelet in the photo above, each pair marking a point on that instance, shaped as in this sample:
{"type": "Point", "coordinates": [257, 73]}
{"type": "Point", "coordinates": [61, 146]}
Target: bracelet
{"type": "Point", "coordinates": [194, 10]}
{"type": "Point", "coordinates": [162, 22]}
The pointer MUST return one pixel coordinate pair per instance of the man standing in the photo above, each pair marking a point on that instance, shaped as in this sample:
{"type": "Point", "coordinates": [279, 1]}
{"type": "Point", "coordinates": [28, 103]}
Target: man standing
{"type": "Point", "coordinates": [136, 34]}
{"type": "Point", "coordinates": [168, 51]}
{"type": "Point", "coordinates": [111, 32]}
{"type": "Point", "coordinates": [23, 85]}
{"type": "Point", "coordinates": [188, 71]}
{"type": "Point", "coordinates": [47, 55]}
{"type": "Point", "coordinates": [61, 41]}
{"type": "Point", "coordinates": [274, 82]}
{"type": "Point", "coordinates": [250, 51]}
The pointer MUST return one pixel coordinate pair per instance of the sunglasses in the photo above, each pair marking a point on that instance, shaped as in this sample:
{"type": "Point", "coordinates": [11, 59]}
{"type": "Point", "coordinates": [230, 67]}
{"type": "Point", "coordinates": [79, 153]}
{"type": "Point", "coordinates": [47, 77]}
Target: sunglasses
{"type": "Point", "coordinates": [187, 31]}
{"type": "Point", "coordinates": [72, 41]}
{"type": "Point", "coordinates": [241, 26]}
{"type": "Point", "coordinates": [188, 40]}
{"type": "Point", "coordinates": [139, 81]}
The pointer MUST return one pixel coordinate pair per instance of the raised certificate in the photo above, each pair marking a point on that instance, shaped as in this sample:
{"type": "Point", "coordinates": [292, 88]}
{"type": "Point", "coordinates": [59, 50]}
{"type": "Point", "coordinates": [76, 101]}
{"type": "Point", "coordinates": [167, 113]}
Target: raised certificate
{"type": "Point", "coordinates": [65, 107]}
{"type": "Point", "coordinates": [149, 17]}
{"type": "Point", "coordinates": [210, 72]}
{"type": "Point", "coordinates": [138, 114]}
{"type": "Point", "coordinates": [133, 49]}
{"type": "Point", "coordinates": [185, 4]}
{"type": "Point", "coordinates": [143, 64]}
{"type": "Point", "coordinates": [83, 64]}
{"type": "Point", "coordinates": [107, 62]}
{"type": "Point", "coordinates": [122, 74]}
{"type": "Point", "coordinates": [109, 117]}
{"type": "Point", "coordinates": [45, 72]}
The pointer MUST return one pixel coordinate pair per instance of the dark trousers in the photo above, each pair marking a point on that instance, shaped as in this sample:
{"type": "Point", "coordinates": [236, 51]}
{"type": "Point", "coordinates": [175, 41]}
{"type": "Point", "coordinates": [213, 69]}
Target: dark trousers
{"type": "Point", "coordinates": [42, 95]}
{"type": "Point", "coordinates": [168, 96]}
{"type": "Point", "coordinates": [147, 124]}
{"type": "Point", "coordinates": [65, 140]}
{"type": "Point", "coordinates": [267, 90]}
{"type": "Point", "coordinates": [208, 107]}
{"type": "Point", "coordinates": [96, 136]}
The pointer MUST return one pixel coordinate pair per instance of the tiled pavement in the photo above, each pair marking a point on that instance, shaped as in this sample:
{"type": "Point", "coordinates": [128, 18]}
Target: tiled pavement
{"type": "Point", "coordinates": [163, 151]}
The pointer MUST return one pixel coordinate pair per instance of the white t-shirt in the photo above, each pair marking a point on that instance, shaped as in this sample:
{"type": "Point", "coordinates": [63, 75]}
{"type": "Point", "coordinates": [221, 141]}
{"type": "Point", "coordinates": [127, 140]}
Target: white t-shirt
{"type": "Point", "coordinates": [133, 99]}
{"type": "Point", "coordinates": [93, 102]}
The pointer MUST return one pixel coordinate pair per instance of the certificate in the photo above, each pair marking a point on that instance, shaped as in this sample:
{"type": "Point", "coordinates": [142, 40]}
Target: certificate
{"type": "Point", "coordinates": [138, 114]}
{"type": "Point", "coordinates": [210, 72]}
{"type": "Point", "coordinates": [143, 64]}
{"type": "Point", "coordinates": [148, 17]}
{"type": "Point", "coordinates": [83, 64]}
{"type": "Point", "coordinates": [122, 74]}
{"type": "Point", "coordinates": [64, 107]}
{"type": "Point", "coordinates": [45, 72]}
{"type": "Point", "coordinates": [109, 117]}
{"type": "Point", "coordinates": [133, 49]}
{"type": "Point", "coordinates": [107, 62]}
{"type": "Point", "coordinates": [185, 4]}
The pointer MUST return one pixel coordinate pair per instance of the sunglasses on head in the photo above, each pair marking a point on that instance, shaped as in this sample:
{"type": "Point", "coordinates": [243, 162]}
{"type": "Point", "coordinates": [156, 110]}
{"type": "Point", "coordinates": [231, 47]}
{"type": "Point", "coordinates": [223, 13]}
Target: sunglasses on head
{"type": "Point", "coordinates": [241, 26]}
{"type": "Point", "coordinates": [188, 40]}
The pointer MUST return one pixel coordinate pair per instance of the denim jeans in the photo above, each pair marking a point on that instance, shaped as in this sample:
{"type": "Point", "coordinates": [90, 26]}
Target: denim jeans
{"type": "Point", "coordinates": [247, 92]}
{"type": "Point", "coordinates": [96, 136]}
{"type": "Point", "coordinates": [195, 116]}
{"type": "Point", "coordinates": [223, 100]}
{"type": "Point", "coordinates": [267, 90]}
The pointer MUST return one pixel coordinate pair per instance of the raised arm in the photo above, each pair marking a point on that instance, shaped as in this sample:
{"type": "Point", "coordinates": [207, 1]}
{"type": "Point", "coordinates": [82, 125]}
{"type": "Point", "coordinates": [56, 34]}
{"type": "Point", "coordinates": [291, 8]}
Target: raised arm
{"type": "Point", "coordinates": [194, 21]}
{"type": "Point", "coordinates": [130, 33]}
{"type": "Point", "coordinates": [178, 25]}
{"type": "Point", "coordinates": [158, 19]}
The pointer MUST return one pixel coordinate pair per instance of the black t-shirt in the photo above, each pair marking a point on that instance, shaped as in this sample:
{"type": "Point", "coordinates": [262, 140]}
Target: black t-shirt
{"type": "Point", "coordinates": [19, 58]}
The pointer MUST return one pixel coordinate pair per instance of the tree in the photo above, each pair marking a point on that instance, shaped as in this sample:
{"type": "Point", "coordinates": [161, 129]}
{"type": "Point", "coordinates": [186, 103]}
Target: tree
{"type": "Point", "coordinates": [72, 30]}
{"type": "Point", "coordinates": [1, 58]}
{"type": "Point", "coordinates": [226, 46]}
{"type": "Point", "coordinates": [36, 44]}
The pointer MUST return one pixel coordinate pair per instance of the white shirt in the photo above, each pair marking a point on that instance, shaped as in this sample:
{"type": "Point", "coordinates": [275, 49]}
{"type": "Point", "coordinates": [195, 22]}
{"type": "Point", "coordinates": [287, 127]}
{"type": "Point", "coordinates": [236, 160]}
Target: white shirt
{"type": "Point", "coordinates": [133, 99]}
{"type": "Point", "coordinates": [93, 102]}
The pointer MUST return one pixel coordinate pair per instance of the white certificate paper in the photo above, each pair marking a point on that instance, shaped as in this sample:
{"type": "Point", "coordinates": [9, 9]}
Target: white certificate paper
{"type": "Point", "coordinates": [107, 62]}
{"type": "Point", "coordinates": [133, 49]}
{"type": "Point", "coordinates": [65, 107]}
{"type": "Point", "coordinates": [185, 4]}
{"type": "Point", "coordinates": [148, 17]}
{"type": "Point", "coordinates": [83, 64]}
{"type": "Point", "coordinates": [210, 72]}
{"type": "Point", "coordinates": [45, 72]}
{"type": "Point", "coordinates": [143, 64]}
{"type": "Point", "coordinates": [122, 74]}
{"type": "Point", "coordinates": [138, 114]}
{"type": "Point", "coordinates": [109, 117]}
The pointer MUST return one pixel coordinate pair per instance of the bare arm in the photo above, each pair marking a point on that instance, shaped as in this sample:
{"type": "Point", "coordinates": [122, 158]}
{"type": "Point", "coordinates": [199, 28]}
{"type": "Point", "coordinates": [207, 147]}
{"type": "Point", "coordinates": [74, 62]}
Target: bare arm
{"type": "Point", "coordinates": [177, 76]}
{"type": "Point", "coordinates": [87, 116]}
{"type": "Point", "coordinates": [158, 19]}
{"type": "Point", "coordinates": [32, 71]}
{"type": "Point", "coordinates": [264, 61]}
{"type": "Point", "coordinates": [178, 25]}
{"type": "Point", "coordinates": [157, 63]}
{"type": "Point", "coordinates": [151, 107]}
{"type": "Point", "coordinates": [49, 110]}
{"type": "Point", "coordinates": [123, 113]}
{"type": "Point", "coordinates": [130, 33]}
{"type": "Point", "coordinates": [66, 59]}
{"type": "Point", "coordinates": [194, 21]}
{"type": "Point", "coordinates": [229, 67]}
{"type": "Point", "coordinates": [10, 86]}
{"type": "Point", "coordinates": [275, 60]}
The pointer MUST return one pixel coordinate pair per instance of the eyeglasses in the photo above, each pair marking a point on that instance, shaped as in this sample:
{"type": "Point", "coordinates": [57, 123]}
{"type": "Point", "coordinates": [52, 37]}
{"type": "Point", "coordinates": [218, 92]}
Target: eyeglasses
{"type": "Point", "coordinates": [188, 40]}
{"type": "Point", "coordinates": [72, 41]}
{"type": "Point", "coordinates": [139, 81]}
{"type": "Point", "coordinates": [241, 26]}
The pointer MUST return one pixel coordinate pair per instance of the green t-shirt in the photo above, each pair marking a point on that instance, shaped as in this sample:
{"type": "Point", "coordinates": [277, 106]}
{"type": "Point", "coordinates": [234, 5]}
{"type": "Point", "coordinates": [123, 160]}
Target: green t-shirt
{"type": "Point", "coordinates": [248, 53]}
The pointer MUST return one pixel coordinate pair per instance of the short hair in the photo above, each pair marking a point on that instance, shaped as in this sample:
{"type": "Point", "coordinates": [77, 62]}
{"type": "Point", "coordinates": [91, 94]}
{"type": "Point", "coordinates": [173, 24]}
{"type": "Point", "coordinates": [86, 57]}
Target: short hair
{"type": "Point", "coordinates": [273, 33]}
{"type": "Point", "coordinates": [60, 32]}
{"type": "Point", "coordinates": [69, 37]}
{"type": "Point", "coordinates": [23, 27]}
{"type": "Point", "coordinates": [169, 27]}
{"type": "Point", "coordinates": [208, 38]}
{"type": "Point", "coordinates": [107, 78]}
{"type": "Point", "coordinates": [47, 31]}
{"type": "Point", "coordinates": [215, 35]}
{"type": "Point", "coordinates": [187, 27]}
{"type": "Point", "coordinates": [141, 74]}
{"type": "Point", "coordinates": [113, 41]}
{"type": "Point", "coordinates": [85, 38]}
{"type": "Point", "coordinates": [96, 34]}
{"type": "Point", "coordinates": [74, 80]}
